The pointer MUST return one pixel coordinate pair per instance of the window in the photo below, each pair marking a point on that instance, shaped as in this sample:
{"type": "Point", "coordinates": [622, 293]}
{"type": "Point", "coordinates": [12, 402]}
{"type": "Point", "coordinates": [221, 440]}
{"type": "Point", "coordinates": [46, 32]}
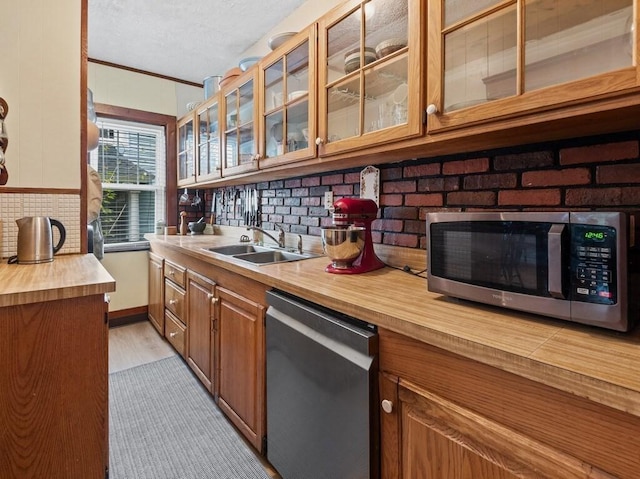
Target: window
{"type": "Point", "coordinates": [131, 161]}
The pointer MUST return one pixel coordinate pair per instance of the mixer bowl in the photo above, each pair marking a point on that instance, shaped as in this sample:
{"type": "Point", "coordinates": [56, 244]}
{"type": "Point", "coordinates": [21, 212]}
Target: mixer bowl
{"type": "Point", "coordinates": [343, 245]}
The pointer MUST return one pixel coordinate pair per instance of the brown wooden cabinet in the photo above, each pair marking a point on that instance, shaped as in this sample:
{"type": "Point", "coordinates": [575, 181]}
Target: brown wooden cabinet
{"type": "Point", "coordinates": [241, 363]}
{"type": "Point", "coordinates": [491, 60]}
{"type": "Point", "coordinates": [448, 417]}
{"type": "Point", "coordinates": [288, 101]}
{"type": "Point", "coordinates": [240, 124]}
{"type": "Point", "coordinates": [201, 340]}
{"type": "Point", "coordinates": [186, 150]}
{"type": "Point", "coordinates": [156, 292]}
{"type": "Point", "coordinates": [54, 389]}
{"type": "Point", "coordinates": [370, 74]}
{"type": "Point", "coordinates": [208, 140]}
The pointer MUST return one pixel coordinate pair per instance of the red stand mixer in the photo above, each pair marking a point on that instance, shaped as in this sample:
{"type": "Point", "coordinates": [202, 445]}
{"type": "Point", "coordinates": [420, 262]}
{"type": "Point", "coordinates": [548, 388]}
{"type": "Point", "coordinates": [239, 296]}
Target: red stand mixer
{"type": "Point", "coordinates": [349, 244]}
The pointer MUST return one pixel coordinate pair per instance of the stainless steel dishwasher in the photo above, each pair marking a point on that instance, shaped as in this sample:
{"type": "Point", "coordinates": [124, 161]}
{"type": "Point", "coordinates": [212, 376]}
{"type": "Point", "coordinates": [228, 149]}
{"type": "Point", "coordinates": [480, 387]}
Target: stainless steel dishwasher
{"type": "Point", "coordinates": [321, 388]}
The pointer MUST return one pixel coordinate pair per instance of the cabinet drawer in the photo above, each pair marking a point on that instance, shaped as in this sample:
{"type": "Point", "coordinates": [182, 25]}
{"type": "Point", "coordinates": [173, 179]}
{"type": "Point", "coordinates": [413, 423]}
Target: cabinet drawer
{"type": "Point", "coordinates": [174, 298]}
{"type": "Point", "coordinates": [174, 331]}
{"type": "Point", "coordinates": [175, 273]}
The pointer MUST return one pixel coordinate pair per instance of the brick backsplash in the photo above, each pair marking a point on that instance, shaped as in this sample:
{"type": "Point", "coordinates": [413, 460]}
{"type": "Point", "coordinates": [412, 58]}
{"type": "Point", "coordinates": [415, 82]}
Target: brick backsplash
{"type": "Point", "coordinates": [588, 173]}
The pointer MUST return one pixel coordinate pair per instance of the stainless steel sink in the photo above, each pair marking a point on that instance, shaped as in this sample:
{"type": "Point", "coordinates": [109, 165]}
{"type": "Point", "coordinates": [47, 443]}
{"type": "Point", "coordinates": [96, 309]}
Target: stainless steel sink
{"type": "Point", "coordinates": [273, 256]}
{"type": "Point", "coordinates": [234, 249]}
{"type": "Point", "coordinates": [259, 254]}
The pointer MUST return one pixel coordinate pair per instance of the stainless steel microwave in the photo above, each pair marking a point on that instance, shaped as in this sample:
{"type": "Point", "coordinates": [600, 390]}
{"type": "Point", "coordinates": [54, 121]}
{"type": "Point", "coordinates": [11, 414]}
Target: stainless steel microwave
{"type": "Point", "coordinates": [577, 266]}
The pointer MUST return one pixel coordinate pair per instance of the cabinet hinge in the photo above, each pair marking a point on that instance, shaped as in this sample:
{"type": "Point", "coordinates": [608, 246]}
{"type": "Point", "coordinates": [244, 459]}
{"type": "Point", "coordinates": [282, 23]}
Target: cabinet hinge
{"type": "Point", "coordinates": [264, 445]}
{"type": "Point", "coordinates": [106, 317]}
{"type": "Point", "coordinates": [106, 472]}
{"type": "Point", "coordinates": [424, 116]}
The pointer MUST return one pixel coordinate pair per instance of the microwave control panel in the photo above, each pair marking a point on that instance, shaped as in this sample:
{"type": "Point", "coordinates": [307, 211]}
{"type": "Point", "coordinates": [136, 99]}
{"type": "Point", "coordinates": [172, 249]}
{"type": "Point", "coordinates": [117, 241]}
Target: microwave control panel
{"type": "Point", "coordinates": [593, 264]}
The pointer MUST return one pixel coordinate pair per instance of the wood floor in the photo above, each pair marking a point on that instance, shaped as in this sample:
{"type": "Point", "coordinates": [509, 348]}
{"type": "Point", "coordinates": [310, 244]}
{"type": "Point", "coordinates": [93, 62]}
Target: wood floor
{"type": "Point", "coordinates": [139, 343]}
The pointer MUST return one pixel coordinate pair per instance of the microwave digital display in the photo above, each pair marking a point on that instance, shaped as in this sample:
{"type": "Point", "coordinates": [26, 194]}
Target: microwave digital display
{"type": "Point", "coordinates": [509, 256]}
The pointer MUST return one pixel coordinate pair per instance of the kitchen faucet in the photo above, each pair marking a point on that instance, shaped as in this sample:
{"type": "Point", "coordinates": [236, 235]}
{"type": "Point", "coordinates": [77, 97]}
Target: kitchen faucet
{"type": "Point", "coordinates": [279, 240]}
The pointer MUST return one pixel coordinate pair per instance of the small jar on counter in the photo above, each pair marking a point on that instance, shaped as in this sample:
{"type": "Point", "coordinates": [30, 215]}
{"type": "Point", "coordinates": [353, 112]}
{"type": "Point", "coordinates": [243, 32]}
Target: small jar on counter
{"type": "Point", "coordinates": [160, 227]}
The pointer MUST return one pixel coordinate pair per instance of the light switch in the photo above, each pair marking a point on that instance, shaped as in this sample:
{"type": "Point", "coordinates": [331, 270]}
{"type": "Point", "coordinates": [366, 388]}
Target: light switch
{"type": "Point", "coordinates": [328, 199]}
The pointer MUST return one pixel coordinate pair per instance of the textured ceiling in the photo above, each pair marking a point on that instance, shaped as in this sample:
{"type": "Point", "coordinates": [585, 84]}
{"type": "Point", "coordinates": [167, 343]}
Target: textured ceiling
{"type": "Point", "coordinates": [184, 40]}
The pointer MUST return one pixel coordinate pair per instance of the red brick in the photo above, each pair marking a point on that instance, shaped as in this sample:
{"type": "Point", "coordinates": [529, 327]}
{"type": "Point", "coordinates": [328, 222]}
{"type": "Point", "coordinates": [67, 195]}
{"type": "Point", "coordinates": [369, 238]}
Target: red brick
{"type": "Point", "coordinates": [571, 176]}
{"type": "Point", "coordinates": [434, 199]}
{"type": "Point", "coordinates": [343, 190]}
{"type": "Point", "coordinates": [292, 183]}
{"type": "Point", "coordinates": [399, 187]}
{"type": "Point", "coordinates": [310, 201]}
{"type": "Point", "coordinates": [475, 198]}
{"type": "Point", "coordinates": [298, 192]}
{"type": "Point", "coordinates": [523, 161]}
{"type": "Point", "coordinates": [399, 212]}
{"type": "Point", "coordinates": [333, 179]}
{"type": "Point", "coordinates": [352, 177]}
{"type": "Point", "coordinates": [415, 227]}
{"type": "Point", "coordinates": [429, 169]}
{"type": "Point", "coordinates": [599, 153]}
{"type": "Point", "coordinates": [311, 181]}
{"type": "Point", "coordinates": [463, 167]}
{"type": "Point", "coordinates": [603, 197]}
{"type": "Point", "coordinates": [396, 239]}
{"type": "Point", "coordinates": [487, 182]}
{"type": "Point", "coordinates": [618, 174]}
{"type": "Point", "coordinates": [391, 200]}
{"type": "Point", "coordinates": [450, 183]}
{"type": "Point", "coordinates": [388, 225]}
{"type": "Point", "coordinates": [529, 197]}
{"type": "Point", "coordinates": [388, 174]}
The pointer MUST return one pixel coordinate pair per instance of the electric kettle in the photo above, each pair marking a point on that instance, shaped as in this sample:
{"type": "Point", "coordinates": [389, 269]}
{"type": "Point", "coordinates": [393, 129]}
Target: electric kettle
{"type": "Point", "coordinates": [35, 239]}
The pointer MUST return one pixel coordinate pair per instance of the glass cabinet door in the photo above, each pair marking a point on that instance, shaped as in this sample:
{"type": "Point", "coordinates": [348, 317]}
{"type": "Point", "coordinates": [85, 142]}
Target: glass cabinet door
{"type": "Point", "coordinates": [490, 50]}
{"type": "Point", "coordinates": [186, 150]}
{"type": "Point", "coordinates": [370, 74]}
{"type": "Point", "coordinates": [288, 104]}
{"type": "Point", "coordinates": [209, 153]}
{"type": "Point", "coordinates": [240, 132]}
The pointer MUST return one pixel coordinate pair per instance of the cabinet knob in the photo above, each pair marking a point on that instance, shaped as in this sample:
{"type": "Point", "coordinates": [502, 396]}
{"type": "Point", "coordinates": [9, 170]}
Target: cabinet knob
{"type": "Point", "coordinates": [173, 301]}
{"type": "Point", "coordinates": [387, 406]}
{"type": "Point", "coordinates": [319, 141]}
{"type": "Point", "coordinates": [431, 109]}
{"type": "Point", "coordinates": [173, 334]}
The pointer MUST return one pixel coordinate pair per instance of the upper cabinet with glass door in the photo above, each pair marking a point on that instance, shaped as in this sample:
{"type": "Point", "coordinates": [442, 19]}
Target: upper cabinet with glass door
{"type": "Point", "coordinates": [495, 58]}
{"type": "Point", "coordinates": [209, 160]}
{"type": "Point", "coordinates": [186, 150]}
{"type": "Point", "coordinates": [288, 86]}
{"type": "Point", "coordinates": [240, 134]}
{"type": "Point", "coordinates": [370, 74]}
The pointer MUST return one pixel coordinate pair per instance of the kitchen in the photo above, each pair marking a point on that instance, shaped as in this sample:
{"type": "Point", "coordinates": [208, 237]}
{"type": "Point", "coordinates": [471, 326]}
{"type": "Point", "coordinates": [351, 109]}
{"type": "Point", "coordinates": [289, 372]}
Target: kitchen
{"type": "Point", "coordinates": [596, 169]}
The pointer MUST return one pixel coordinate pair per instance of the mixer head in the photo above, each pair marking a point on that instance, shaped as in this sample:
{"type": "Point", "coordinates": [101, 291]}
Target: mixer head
{"type": "Point", "coordinates": [348, 211]}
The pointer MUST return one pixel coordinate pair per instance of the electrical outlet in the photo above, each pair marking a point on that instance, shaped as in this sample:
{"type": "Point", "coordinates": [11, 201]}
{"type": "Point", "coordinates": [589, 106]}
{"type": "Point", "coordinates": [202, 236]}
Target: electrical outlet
{"type": "Point", "coordinates": [328, 199]}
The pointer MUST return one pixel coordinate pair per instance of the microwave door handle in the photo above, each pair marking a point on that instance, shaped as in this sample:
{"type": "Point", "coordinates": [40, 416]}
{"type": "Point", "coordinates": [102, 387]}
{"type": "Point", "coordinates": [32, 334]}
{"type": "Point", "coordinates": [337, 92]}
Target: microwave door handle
{"type": "Point", "coordinates": [554, 256]}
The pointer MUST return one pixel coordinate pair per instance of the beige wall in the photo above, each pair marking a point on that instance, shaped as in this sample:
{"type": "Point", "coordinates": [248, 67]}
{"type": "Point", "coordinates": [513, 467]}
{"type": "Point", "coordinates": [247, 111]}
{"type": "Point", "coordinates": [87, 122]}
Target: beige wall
{"type": "Point", "coordinates": [40, 80]}
{"type": "Point", "coordinates": [302, 17]}
{"type": "Point", "coordinates": [118, 87]}
{"type": "Point", "coordinates": [130, 270]}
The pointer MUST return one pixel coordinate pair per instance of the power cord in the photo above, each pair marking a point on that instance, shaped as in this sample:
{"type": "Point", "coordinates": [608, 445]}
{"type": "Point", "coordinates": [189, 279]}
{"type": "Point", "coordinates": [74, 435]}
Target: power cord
{"type": "Point", "coordinates": [407, 269]}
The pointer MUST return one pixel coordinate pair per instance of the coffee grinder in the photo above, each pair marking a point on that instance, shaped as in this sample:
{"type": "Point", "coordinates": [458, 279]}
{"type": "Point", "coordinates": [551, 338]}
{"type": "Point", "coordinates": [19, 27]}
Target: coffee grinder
{"type": "Point", "coordinates": [349, 244]}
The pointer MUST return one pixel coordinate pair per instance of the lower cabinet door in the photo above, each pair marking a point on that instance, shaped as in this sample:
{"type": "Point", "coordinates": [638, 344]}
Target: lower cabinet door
{"type": "Point", "coordinates": [444, 440]}
{"type": "Point", "coordinates": [241, 376]}
{"type": "Point", "coordinates": [201, 335]}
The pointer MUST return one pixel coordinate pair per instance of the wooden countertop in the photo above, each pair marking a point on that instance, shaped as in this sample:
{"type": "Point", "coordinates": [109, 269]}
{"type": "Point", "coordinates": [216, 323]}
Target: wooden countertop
{"type": "Point", "coordinates": [67, 276]}
{"type": "Point", "coordinates": [590, 362]}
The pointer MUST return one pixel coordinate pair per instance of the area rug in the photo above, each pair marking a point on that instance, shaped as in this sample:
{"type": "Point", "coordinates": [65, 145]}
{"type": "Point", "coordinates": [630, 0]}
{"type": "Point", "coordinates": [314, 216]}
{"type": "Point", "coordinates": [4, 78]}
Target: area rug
{"type": "Point", "coordinates": [164, 425]}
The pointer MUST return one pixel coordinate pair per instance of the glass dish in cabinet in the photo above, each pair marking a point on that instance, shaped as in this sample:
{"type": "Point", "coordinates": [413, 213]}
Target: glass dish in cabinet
{"type": "Point", "coordinates": [370, 90]}
{"type": "Point", "coordinates": [240, 145]}
{"type": "Point", "coordinates": [288, 107]}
